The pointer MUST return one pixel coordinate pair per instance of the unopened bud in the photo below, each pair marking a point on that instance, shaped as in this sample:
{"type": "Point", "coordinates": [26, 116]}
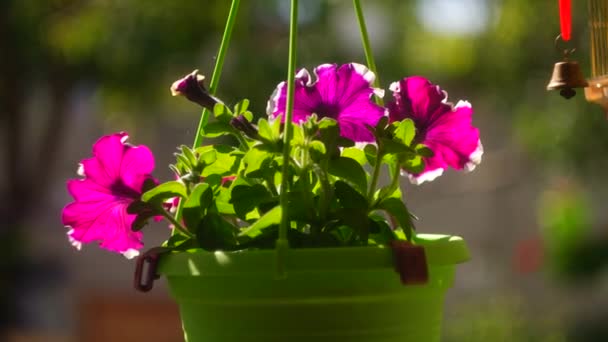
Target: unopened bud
{"type": "Point", "coordinates": [242, 124]}
{"type": "Point", "coordinates": [192, 87]}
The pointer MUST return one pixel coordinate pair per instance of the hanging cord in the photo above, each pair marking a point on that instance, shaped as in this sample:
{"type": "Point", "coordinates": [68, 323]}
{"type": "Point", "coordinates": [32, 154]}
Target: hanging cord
{"type": "Point", "coordinates": [367, 48]}
{"type": "Point", "coordinates": [215, 80]}
{"type": "Point", "coordinates": [565, 19]}
{"type": "Point", "coordinates": [282, 243]}
{"type": "Point", "coordinates": [219, 64]}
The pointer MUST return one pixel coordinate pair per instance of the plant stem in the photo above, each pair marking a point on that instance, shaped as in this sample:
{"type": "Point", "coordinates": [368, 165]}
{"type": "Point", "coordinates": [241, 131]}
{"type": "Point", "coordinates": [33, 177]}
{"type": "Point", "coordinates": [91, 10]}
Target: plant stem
{"type": "Point", "coordinates": [219, 64]}
{"type": "Point", "coordinates": [242, 142]}
{"type": "Point", "coordinates": [282, 243]}
{"type": "Point", "coordinates": [174, 222]}
{"type": "Point", "coordinates": [396, 178]}
{"type": "Point", "coordinates": [215, 80]}
{"type": "Point", "coordinates": [367, 48]}
{"type": "Point", "coordinates": [375, 176]}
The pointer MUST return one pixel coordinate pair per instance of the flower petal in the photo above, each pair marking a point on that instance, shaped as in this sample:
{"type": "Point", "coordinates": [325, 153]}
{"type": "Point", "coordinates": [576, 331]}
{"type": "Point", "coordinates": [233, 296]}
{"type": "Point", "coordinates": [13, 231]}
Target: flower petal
{"type": "Point", "coordinates": [136, 166]}
{"type": "Point", "coordinates": [104, 167]}
{"type": "Point", "coordinates": [113, 181]}
{"type": "Point", "coordinates": [444, 129]}
{"type": "Point", "coordinates": [418, 99]}
{"type": "Point", "coordinates": [106, 222]}
{"type": "Point", "coordinates": [86, 190]}
{"type": "Point", "coordinates": [343, 93]}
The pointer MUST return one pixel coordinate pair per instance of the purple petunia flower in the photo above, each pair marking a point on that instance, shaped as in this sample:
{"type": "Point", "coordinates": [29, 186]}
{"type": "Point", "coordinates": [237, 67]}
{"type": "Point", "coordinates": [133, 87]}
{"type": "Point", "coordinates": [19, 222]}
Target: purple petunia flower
{"type": "Point", "coordinates": [113, 179]}
{"type": "Point", "coordinates": [443, 128]}
{"type": "Point", "coordinates": [343, 93]}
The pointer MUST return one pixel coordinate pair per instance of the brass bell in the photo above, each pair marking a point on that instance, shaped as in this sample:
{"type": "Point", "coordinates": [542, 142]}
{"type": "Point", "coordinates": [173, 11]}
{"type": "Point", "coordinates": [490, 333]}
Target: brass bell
{"type": "Point", "coordinates": [566, 76]}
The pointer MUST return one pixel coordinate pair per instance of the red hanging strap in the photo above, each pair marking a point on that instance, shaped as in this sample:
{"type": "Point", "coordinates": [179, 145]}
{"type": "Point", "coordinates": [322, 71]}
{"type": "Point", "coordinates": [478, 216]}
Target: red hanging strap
{"type": "Point", "coordinates": [565, 19]}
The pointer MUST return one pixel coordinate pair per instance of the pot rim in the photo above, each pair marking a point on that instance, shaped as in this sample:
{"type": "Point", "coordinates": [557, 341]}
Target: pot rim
{"type": "Point", "coordinates": [440, 250]}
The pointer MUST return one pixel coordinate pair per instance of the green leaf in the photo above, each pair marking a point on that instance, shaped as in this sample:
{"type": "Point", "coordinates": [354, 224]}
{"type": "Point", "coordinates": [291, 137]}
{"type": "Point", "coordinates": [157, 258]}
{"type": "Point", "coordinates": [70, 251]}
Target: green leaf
{"type": "Point", "coordinates": [183, 162]}
{"type": "Point", "coordinates": [265, 130]}
{"type": "Point", "coordinates": [174, 168]}
{"type": "Point", "coordinates": [216, 129]}
{"type": "Point", "coordinates": [356, 154]}
{"type": "Point", "coordinates": [379, 130]}
{"type": "Point", "coordinates": [387, 191]}
{"type": "Point", "coordinates": [350, 170]}
{"type": "Point", "coordinates": [329, 133]}
{"type": "Point", "coordinates": [208, 157]}
{"type": "Point", "coordinates": [215, 233]}
{"type": "Point", "coordinates": [356, 219]}
{"type": "Point", "coordinates": [246, 198]}
{"type": "Point", "coordinates": [413, 165]}
{"type": "Point", "coordinates": [371, 154]}
{"type": "Point", "coordinates": [258, 164]}
{"type": "Point", "coordinates": [349, 197]}
{"type": "Point", "coordinates": [396, 147]}
{"type": "Point", "coordinates": [344, 234]}
{"type": "Point", "coordinates": [180, 242]}
{"type": "Point", "coordinates": [248, 115]}
{"type": "Point", "coordinates": [345, 142]}
{"type": "Point", "coordinates": [140, 222]}
{"type": "Point", "coordinates": [272, 217]}
{"type": "Point", "coordinates": [276, 127]}
{"type": "Point", "coordinates": [298, 136]}
{"type": "Point", "coordinates": [424, 151]}
{"type": "Point", "coordinates": [144, 211]}
{"type": "Point", "coordinates": [380, 231]}
{"type": "Point", "coordinates": [317, 146]}
{"type": "Point", "coordinates": [195, 206]}
{"type": "Point", "coordinates": [397, 209]}
{"type": "Point", "coordinates": [405, 131]}
{"type": "Point", "coordinates": [165, 191]}
{"type": "Point", "coordinates": [222, 202]}
{"type": "Point", "coordinates": [222, 113]}
{"type": "Point", "coordinates": [227, 160]}
{"type": "Point", "coordinates": [241, 107]}
{"type": "Point", "coordinates": [187, 152]}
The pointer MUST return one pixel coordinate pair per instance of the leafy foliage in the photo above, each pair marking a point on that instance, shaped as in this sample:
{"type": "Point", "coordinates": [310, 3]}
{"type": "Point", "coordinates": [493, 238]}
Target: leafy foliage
{"type": "Point", "coordinates": [230, 194]}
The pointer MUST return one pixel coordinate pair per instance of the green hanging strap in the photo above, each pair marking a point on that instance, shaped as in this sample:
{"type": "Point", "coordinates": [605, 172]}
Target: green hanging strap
{"type": "Point", "coordinates": [282, 245]}
{"type": "Point", "coordinates": [215, 80]}
{"type": "Point", "coordinates": [367, 48]}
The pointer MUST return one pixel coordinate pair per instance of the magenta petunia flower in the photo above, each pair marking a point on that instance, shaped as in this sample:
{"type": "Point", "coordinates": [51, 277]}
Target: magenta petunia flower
{"type": "Point", "coordinates": [113, 179]}
{"type": "Point", "coordinates": [442, 127]}
{"type": "Point", "coordinates": [343, 93]}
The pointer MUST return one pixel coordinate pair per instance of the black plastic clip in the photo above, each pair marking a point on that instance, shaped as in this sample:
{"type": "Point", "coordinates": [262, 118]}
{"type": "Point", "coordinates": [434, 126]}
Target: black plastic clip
{"type": "Point", "coordinates": [144, 277]}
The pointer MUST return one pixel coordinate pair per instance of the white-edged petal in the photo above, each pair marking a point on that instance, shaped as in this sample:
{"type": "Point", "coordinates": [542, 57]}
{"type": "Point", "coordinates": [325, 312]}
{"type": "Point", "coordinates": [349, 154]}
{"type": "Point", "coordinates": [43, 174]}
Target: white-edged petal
{"type": "Point", "coordinates": [394, 87]}
{"type": "Point", "coordinates": [474, 158]}
{"type": "Point", "coordinates": [274, 99]}
{"type": "Point", "coordinates": [424, 177]}
{"type": "Point", "coordinates": [130, 253]}
{"type": "Point", "coordinates": [80, 170]}
{"type": "Point", "coordinates": [74, 242]}
{"type": "Point", "coordinates": [364, 71]}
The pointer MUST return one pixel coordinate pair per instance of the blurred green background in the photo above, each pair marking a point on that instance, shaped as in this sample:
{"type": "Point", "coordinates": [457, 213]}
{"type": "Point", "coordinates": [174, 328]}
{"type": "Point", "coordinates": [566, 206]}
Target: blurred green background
{"type": "Point", "coordinates": [533, 212]}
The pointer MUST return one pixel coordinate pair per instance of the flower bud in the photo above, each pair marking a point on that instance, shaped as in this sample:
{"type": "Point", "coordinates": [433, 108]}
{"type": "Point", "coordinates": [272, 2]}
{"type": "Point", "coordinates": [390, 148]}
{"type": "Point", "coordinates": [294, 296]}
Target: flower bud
{"type": "Point", "coordinates": [191, 86]}
{"type": "Point", "coordinates": [242, 124]}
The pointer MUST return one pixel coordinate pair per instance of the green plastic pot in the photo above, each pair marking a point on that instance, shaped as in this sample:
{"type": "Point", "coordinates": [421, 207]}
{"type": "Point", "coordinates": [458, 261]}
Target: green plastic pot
{"type": "Point", "coordinates": [328, 294]}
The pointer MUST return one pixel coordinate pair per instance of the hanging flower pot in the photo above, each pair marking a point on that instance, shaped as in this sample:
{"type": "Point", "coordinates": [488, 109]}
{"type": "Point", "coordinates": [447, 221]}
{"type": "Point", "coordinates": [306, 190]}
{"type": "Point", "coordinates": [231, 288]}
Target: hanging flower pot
{"type": "Point", "coordinates": [288, 234]}
{"type": "Point", "coordinates": [327, 294]}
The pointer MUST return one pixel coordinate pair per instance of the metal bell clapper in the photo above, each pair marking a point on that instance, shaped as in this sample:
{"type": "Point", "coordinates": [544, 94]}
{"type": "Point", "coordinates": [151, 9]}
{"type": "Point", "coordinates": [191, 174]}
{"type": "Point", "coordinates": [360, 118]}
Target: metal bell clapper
{"type": "Point", "coordinates": [567, 75]}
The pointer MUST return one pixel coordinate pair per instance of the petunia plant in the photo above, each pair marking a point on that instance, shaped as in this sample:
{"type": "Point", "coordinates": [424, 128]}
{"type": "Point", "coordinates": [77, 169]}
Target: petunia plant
{"type": "Point", "coordinates": [228, 196]}
{"type": "Point", "coordinates": [306, 174]}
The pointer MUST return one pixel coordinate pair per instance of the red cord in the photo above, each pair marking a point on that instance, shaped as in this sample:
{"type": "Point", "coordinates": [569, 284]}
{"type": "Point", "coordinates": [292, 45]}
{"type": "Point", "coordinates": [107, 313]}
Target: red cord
{"type": "Point", "coordinates": [565, 18]}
